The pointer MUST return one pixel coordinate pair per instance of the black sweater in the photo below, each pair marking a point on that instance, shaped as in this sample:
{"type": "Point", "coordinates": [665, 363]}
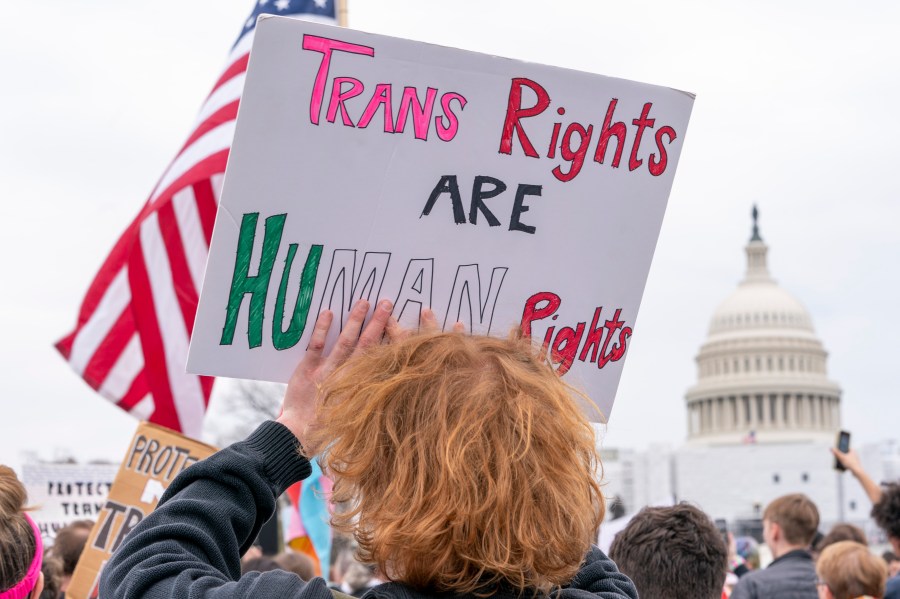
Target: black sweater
{"type": "Point", "coordinates": [190, 546]}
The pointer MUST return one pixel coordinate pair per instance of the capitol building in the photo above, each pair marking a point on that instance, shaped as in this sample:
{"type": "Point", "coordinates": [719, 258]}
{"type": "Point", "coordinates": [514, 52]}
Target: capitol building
{"type": "Point", "coordinates": [762, 372]}
{"type": "Point", "coordinates": [760, 418]}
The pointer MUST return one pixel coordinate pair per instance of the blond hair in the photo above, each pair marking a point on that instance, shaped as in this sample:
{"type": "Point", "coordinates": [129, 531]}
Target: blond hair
{"type": "Point", "coordinates": [797, 516]}
{"type": "Point", "coordinates": [465, 461]}
{"type": "Point", "coordinates": [850, 570]}
{"type": "Point", "coordinates": [17, 543]}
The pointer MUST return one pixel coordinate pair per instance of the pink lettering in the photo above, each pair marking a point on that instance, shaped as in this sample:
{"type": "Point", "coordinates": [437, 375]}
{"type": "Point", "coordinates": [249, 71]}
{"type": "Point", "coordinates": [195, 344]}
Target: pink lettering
{"type": "Point", "coordinates": [381, 98]}
{"type": "Point", "coordinates": [421, 113]}
{"type": "Point", "coordinates": [448, 131]}
{"type": "Point", "coordinates": [338, 97]}
{"type": "Point", "coordinates": [324, 45]}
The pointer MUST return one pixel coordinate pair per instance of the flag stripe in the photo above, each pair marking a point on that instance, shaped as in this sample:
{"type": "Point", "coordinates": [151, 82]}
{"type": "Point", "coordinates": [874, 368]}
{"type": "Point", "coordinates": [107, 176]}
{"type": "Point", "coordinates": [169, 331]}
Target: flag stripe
{"type": "Point", "coordinates": [223, 115]}
{"type": "Point", "coordinates": [212, 142]}
{"type": "Point", "coordinates": [229, 92]}
{"type": "Point", "coordinates": [192, 233]}
{"type": "Point", "coordinates": [109, 352]}
{"type": "Point", "coordinates": [207, 205]}
{"type": "Point", "coordinates": [140, 388]}
{"type": "Point", "coordinates": [122, 374]}
{"type": "Point", "coordinates": [151, 341]}
{"type": "Point", "coordinates": [182, 282]}
{"type": "Point", "coordinates": [145, 408]}
{"type": "Point", "coordinates": [186, 391]}
{"type": "Point", "coordinates": [236, 67]}
{"type": "Point", "coordinates": [94, 331]}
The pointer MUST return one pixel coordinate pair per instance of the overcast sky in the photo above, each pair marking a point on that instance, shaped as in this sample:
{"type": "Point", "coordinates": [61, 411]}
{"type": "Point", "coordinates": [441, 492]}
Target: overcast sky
{"type": "Point", "coordinates": [795, 111]}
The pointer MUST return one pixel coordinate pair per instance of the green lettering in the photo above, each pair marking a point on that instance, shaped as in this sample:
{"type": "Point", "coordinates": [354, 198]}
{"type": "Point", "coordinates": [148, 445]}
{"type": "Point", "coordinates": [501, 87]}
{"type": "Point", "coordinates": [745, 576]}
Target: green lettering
{"type": "Point", "coordinates": [242, 283]}
{"type": "Point", "coordinates": [290, 337]}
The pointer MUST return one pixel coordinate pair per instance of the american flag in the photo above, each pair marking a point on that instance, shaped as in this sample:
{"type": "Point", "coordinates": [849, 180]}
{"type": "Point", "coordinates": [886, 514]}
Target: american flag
{"type": "Point", "coordinates": [131, 340]}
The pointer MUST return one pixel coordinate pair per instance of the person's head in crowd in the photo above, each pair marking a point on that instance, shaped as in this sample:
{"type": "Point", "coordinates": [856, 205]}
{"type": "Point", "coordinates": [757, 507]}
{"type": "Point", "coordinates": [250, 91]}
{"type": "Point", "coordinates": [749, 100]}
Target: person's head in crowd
{"type": "Point", "coordinates": [848, 570]}
{"type": "Point", "coordinates": [357, 579]}
{"type": "Point", "coordinates": [790, 522]}
{"type": "Point", "coordinates": [342, 549]}
{"type": "Point", "coordinates": [51, 568]}
{"type": "Point", "coordinates": [893, 563]}
{"type": "Point", "coordinates": [466, 462]}
{"type": "Point", "coordinates": [298, 563]}
{"type": "Point", "coordinates": [841, 532]}
{"type": "Point", "coordinates": [262, 563]}
{"type": "Point", "coordinates": [886, 513]}
{"type": "Point", "coordinates": [68, 545]}
{"type": "Point", "coordinates": [21, 547]}
{"type": "Point", "coordinates": [748, 549]}
{"type": "Point", "coordinates": [672, 552]}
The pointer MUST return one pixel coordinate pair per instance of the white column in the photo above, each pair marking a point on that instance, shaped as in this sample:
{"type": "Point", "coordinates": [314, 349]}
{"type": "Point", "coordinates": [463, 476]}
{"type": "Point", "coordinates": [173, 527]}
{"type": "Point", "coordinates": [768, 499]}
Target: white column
{"type": "Point", "coordinates": [753, 424]}
{"type": "Point", "coordinates": [717, 423]}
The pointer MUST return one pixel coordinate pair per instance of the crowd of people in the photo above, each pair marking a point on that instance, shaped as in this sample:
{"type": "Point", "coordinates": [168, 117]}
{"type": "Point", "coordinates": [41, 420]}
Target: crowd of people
{"type": "Point", "coordinates": [466, 468]}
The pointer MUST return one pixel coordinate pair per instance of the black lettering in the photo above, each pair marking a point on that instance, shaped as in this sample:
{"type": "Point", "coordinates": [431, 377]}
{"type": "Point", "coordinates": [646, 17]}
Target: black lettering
{"type": "Point", "coordinates": [479, 195]}
{"type": "Point", "coordinates": [103, 536]}
{"type": "Point", "coordinates": [447, 184]}
{"type": "Point", "coordinates": [139, 445]}
{"type": "Point", "coordinates": [131, 520]}
{"type": "Point", "coordinates": [519, 207]}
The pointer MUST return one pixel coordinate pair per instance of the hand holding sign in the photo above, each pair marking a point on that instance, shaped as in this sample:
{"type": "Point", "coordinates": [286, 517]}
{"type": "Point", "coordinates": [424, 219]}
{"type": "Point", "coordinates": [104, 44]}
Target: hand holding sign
{"type": "Point", "coordinates": [299, 410]}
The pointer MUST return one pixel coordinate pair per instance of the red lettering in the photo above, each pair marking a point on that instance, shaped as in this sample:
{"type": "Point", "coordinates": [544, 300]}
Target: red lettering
{"type": "Point", "coordinates": [576, 157]}
{"type": "Point", "coordinates": [611, 326]}
{"type": "Point", "coordinates": [658, 168]}
{"type": "Point", "coordinates": [515, 112]}
{"type": "Point", "coordinates": [641, 124]}
{"type": "Point", "coordinates": [533, 313]}
{"type": "Point", "coordinates": [565, 346]}
{"type": "Point", "coordinates": [608, 130]}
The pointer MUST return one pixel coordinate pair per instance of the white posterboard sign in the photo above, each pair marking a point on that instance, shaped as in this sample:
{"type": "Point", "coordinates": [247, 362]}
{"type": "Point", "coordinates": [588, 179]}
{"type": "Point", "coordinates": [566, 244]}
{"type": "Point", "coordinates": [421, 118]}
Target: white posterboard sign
{"type": "Point", "coordinates": [63, 493]}
{"type": "Point", "coordinates": [495, 191]}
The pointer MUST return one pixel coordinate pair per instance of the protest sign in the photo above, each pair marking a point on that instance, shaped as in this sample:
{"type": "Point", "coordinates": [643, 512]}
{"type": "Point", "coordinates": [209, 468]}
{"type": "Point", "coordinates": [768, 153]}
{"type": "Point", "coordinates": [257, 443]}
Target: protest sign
{"type": "Point", "coordinates": [64, 493]}
{"type": "Point", "coordinates": [155, 457]}
{"type": "Point", "coordinates": [494, 191]}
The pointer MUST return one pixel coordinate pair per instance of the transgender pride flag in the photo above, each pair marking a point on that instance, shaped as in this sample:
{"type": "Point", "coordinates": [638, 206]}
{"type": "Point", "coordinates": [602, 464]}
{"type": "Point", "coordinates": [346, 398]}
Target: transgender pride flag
{"type": "Point", "coordinates": [308, 530]}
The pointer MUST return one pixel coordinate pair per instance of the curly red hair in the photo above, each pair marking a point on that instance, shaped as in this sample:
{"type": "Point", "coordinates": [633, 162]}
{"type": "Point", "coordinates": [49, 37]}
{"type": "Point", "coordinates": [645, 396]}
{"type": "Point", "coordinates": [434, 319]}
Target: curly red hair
{"type": "Point", "coordinates": [465, 461]}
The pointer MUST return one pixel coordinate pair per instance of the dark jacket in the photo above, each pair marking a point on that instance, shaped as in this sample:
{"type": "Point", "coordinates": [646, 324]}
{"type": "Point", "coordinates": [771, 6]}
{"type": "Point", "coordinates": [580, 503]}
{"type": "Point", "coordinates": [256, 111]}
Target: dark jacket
{"type": "Point", "coordinates": [211, 513]}
{"type": "Point", "coordinates": [892, 590]}
{"type": "Point", "coordinates": [791, 576]}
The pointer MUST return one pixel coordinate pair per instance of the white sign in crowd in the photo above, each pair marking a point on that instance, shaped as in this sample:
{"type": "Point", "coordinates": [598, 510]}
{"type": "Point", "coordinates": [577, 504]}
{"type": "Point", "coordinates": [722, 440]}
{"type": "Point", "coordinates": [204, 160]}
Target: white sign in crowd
{"type": "Point", "coordinates": [497, 192]}
{"type": "Point", "coordinates": [63, 493]}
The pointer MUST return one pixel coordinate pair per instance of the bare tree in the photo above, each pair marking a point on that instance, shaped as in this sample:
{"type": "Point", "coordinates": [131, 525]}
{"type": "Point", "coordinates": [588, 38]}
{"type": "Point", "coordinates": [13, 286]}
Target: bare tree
{"type": "Point", "coordinates": [239, 406]}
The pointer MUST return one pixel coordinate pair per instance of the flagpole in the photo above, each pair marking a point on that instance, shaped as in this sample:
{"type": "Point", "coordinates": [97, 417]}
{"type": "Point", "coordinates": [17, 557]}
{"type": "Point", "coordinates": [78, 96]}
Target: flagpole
{"type": "Point", "coordinates": [342, 12]}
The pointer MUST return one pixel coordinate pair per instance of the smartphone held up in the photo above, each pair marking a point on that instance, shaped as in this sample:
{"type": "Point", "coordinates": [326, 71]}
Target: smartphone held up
{"type": "Point", "coordinates": [842, 445]}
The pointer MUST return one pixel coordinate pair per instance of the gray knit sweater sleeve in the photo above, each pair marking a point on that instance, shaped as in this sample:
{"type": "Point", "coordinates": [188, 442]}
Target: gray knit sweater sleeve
{"type": "Point", "coordinates": [190, 546]}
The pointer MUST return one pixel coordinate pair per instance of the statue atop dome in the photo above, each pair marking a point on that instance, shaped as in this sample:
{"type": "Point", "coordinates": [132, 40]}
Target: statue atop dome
{"type": "Point", "coordinates": [755, 214]}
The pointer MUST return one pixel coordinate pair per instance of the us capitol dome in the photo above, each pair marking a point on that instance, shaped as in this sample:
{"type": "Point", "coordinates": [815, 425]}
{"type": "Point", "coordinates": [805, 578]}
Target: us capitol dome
{"type": "Point", "coordinates": [762, 375]}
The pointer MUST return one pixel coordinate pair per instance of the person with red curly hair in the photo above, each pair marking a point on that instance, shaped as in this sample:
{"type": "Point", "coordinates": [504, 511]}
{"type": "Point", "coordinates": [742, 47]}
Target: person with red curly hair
{"type": "Point", "coordinates": [466, 463]}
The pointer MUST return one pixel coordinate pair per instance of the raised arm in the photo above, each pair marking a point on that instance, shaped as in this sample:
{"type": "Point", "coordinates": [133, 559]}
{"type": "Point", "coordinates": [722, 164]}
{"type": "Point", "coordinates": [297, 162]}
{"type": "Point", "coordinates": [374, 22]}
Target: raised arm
{"type": "Point", "coordinates": [851, 462]}
{"type": "Point", "coordinates": [190, 546]}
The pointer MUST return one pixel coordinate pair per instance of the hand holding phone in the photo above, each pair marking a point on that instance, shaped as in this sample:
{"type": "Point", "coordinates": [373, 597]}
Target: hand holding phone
{"type": "Point", "coordinates": [843, 446]}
